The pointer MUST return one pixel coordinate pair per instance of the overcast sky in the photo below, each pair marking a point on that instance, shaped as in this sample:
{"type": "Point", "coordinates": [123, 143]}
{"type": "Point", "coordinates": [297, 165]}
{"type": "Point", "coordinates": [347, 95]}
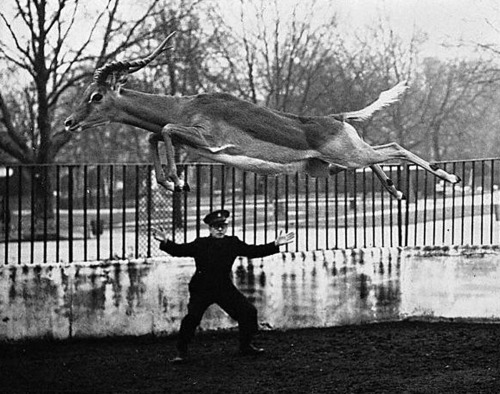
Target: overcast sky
{"type": "Point", "coordinates": [445, 21]}
{"type": "Point", "coordinates": [473, 21]}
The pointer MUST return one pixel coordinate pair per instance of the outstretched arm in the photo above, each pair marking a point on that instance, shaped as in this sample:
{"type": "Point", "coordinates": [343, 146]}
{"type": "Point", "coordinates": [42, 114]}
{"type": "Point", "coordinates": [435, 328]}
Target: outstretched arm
{"type": "Point", "coordinates": [170, 247]}
{"type": "Point", "coordinates": [255, 251]}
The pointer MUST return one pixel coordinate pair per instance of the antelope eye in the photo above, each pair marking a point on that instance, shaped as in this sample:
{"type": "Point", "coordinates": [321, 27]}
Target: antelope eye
{"type": "Point", "coordinates": [96, 97]}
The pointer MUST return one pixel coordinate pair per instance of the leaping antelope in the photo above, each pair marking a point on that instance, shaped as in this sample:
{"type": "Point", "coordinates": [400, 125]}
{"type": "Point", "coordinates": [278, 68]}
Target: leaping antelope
{"type": "Point", "coordinates": [233, 131]}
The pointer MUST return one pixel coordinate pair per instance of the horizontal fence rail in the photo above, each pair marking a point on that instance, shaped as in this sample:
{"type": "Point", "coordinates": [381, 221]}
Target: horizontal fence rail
{"type": "Point", "coordinates": [91, 212]}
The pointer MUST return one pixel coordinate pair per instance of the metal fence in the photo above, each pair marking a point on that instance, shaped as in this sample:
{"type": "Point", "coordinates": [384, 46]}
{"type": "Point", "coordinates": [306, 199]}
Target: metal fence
{"type": "Point", "coordinates": [67, 213]}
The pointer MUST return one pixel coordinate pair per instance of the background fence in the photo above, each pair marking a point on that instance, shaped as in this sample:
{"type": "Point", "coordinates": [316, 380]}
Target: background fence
{"type": "Point", "coordinates": [67, 213]}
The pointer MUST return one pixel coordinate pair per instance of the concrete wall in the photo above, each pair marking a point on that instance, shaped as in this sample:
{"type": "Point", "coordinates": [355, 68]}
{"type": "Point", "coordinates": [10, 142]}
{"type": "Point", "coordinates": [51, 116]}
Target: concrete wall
{"type": "Point", "coordinates": [290, 290]}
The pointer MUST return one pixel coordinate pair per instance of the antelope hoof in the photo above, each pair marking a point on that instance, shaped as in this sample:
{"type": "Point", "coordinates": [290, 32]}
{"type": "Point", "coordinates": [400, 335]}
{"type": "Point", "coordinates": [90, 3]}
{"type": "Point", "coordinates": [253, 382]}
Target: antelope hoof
{"type": "Point", "coordinates": [169, 186]}
{"type": "Point", "coordinates": [400, 196]}
{"type": "Point", "coordinates": [452, 178]}
{"type": "Point", "coordinates": [182, 188]}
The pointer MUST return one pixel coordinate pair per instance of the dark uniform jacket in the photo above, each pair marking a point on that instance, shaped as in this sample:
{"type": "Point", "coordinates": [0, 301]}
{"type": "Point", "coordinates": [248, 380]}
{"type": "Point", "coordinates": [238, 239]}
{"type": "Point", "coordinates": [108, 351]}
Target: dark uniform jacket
{"type": "Point", "coordinates": [214, 257]}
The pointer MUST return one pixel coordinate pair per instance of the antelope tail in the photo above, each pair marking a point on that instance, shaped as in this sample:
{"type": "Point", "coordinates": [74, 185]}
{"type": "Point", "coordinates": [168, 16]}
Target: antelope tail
{"type": "Point", "coordinates": [386, 98]}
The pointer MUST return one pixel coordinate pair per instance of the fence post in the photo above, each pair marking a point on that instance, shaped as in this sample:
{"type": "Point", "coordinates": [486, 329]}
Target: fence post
{"type": "Point", "coordinates": [149, 207]}
{"type": "Point", "coordinates": [400, 211]}
{"type": "Point", "coordinates": [70, 213]}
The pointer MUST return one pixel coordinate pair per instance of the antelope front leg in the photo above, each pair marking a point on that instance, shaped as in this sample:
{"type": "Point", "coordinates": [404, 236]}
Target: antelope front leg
{"type": "Point", "coordinates": [160, 175]}
{"type": "Point", "coordinates": [395, 151]}
{"type": "Point", "coordinates": [166, 133]}
{"type": "Point", "coordinates": [387, 182]}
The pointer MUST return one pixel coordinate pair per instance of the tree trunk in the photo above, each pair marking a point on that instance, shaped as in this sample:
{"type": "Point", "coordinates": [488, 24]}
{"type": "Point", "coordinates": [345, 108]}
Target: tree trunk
{"type": "Point", "coordinates": [43, 200]}
{"type": "Point", "coordinates": [436, 152]}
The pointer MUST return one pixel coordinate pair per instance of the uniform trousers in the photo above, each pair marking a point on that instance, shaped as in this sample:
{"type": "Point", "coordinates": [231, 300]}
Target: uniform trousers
{"type": "Point", "coordinates": [230, 299]}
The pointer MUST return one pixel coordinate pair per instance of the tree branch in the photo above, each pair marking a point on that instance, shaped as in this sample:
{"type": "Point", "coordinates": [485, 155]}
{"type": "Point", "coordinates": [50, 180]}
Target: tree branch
{"type": "Point", "coordinates": [21, 143]}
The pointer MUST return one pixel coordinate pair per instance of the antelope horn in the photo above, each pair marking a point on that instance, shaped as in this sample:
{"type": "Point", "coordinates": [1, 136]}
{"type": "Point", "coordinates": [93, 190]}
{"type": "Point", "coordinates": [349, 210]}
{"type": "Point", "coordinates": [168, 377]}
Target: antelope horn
{"type": "Point", "coordinates": [102, 73]}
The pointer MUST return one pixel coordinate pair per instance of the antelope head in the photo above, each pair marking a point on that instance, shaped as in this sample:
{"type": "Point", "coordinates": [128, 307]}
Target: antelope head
{"type": "Point", "coordinates": [97, 106]}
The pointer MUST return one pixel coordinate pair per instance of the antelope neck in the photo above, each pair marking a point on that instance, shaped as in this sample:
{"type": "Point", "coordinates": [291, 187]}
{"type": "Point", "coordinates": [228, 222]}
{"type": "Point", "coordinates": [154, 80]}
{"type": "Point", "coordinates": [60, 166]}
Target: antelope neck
{"type": "Point", "coordinates": [148, 111]}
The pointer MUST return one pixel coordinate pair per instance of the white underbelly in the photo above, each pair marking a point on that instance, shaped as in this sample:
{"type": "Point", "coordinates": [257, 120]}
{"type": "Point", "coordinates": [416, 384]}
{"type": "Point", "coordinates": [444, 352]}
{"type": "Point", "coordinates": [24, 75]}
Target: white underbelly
{"type": "Point", "coordinates": [258, 166]}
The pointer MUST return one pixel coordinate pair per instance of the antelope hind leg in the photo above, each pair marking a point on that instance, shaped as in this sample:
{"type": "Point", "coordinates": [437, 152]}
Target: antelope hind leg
{"type": "Point", "coordinates": [395, 151]}
{"type": "Point", "coordinates": [318, 168]}
{"type": "Point", "coordinates": [387, 182]}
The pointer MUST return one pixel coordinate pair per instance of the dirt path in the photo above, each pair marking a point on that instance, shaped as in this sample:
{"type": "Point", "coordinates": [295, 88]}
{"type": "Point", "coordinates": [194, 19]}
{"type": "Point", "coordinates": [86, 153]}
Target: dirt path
{"type": "Point", "coordinates": [402, 357]}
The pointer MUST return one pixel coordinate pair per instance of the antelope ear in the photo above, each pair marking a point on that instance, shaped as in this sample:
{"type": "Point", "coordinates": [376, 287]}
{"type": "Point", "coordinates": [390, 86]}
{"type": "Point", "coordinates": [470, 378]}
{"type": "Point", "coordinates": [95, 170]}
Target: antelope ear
{"type": "Point", "coordinates": [119, 85]}
{"type": "Point", "coordinates": [118, 80]}
{"type": "Point", "coordinates": [122, 80]}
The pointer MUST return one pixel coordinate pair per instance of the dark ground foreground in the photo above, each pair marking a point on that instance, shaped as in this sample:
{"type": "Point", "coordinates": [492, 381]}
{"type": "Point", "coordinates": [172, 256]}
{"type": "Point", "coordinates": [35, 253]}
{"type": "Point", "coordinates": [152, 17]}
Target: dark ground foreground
{"type": "Point", "coordinates": [401, 357]}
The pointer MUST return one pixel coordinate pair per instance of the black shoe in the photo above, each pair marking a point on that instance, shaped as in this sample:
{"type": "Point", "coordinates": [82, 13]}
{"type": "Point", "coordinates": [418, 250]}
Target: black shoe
{"type": "Point", "coordinates": [180, 358]}
{"type": "Point", "coordinates": [251, 350]}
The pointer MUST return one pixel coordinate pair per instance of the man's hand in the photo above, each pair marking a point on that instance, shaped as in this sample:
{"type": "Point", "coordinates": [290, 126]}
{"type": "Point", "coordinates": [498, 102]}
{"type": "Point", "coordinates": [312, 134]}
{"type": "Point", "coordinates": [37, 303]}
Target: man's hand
{"type": "Point", "coordinates": [283, 239]}
{"type": "Point", "coordinates": [159, 234]}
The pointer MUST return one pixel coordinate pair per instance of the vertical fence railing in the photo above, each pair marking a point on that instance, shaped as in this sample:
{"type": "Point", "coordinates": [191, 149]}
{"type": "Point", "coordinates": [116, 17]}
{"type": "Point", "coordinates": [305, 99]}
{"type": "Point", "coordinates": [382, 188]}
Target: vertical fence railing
{"type": "Point", "coordinates": [66, 213]}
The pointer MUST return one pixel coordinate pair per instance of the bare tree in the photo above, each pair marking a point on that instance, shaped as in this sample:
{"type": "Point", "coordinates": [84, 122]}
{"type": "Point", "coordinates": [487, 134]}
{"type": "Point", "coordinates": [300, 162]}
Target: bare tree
{"type": "Point", "coordinates": [454, 99]}
{"type": "Point", "coordinates": [444, 99]}
{"type": "Point", "coordinates": [276, 58]}
{"type": "Point", "coordinates": [46, 57]}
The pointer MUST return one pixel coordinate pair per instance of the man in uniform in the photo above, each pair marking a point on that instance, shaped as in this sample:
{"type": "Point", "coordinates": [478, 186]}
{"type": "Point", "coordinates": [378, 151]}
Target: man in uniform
{"type": "Point", "coordinates": [211, 283]}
